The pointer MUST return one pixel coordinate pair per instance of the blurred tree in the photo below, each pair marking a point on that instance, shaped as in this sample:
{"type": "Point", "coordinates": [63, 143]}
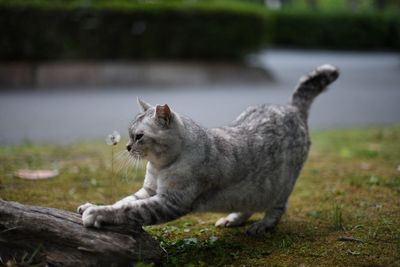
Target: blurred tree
{"type": "Point", "coordinates": [256, 1]}
{"type": "Point", "coordinates": [274, 4]}
{"type": "Point", "coordinates": [381, 4]}
{"type": "Point", "coordinates": [386, 4]}
{"type": "Point", "coordinates": [352, 4]}
{"type": "Point", "coordinates": [277, 4]}
{"type": "Point", "coordinates": [312, 4]}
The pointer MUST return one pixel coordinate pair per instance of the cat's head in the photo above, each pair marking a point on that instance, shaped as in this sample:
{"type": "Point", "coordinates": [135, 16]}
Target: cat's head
{"type": "Point", "coordinates": [155, 134]}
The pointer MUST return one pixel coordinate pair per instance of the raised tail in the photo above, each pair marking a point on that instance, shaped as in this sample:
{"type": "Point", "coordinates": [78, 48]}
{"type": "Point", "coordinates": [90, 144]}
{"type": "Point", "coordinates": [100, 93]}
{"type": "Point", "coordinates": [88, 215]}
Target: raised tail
{"type": "Point", "coordinates": [311, 85]}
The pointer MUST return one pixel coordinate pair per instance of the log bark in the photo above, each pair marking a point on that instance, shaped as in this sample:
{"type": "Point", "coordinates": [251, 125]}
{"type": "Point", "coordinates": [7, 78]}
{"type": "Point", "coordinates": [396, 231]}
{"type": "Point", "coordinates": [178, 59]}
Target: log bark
{"type": "Point", "coordinates": [61, 240]}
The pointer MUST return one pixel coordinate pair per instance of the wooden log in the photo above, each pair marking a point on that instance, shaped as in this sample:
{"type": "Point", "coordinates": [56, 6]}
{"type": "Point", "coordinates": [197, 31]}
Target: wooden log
{"type": "Point", "coordinates": [60, 238]}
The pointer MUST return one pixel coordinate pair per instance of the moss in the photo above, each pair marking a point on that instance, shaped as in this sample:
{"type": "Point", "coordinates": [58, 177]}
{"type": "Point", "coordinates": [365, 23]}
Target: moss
{"type": "Point", "coordinates": [334, 197]}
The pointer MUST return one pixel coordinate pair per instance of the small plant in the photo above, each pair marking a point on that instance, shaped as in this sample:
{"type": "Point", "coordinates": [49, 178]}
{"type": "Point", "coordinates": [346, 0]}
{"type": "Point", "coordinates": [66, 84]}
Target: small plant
{"type": "Point", "coordinates": [286, 242]}
{"type": "Point", "coordinates": [112, 140]}
{"type": "Point", "coordinates": [337, 218]}
{"type": "Point", "coordinates": [27, 259]}
{"type": "Point", "coordinates": [144, 264]}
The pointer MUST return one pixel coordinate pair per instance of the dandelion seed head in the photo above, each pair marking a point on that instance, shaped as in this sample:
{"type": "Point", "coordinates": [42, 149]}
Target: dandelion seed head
{"type": "Point", "coordinates": [113, 139]}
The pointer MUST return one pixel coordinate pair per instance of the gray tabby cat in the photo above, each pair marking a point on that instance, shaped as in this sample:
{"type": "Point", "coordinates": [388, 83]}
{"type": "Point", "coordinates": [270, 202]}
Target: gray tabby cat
{"type": "Point", "coordinates": [249, 166]}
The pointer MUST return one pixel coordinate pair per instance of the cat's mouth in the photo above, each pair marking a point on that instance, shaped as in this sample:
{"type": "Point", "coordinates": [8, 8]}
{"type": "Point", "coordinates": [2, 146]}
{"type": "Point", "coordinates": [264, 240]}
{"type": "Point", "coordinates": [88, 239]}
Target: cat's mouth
{"type": "Point", "coordinates": [137, 154]}
{"type": "Point", "coordinates": [134, 153]}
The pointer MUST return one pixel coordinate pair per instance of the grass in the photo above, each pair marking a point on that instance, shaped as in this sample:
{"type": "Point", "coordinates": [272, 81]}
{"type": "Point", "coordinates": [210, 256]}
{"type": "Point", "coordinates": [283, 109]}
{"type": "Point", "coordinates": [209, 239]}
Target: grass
{"type": "Point", "coordinates": [349, 187]}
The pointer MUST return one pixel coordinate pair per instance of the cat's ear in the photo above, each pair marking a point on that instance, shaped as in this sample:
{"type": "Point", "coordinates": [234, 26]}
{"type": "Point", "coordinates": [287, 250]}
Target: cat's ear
{"type": "Point", "coordinates": [164, 114]}
{"type": "Point", "coordinates": [143, 106]}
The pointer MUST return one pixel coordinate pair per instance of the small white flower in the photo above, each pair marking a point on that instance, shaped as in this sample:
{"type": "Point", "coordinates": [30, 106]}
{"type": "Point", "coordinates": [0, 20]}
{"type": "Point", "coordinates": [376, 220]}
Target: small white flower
{"type": "Point", "coordinates": [113, 139]}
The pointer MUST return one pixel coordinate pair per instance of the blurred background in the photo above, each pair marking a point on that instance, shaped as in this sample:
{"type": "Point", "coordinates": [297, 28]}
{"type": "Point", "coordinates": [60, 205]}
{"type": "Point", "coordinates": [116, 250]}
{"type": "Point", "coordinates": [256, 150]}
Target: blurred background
{"type": "Point", "coordinates": [70, 70]}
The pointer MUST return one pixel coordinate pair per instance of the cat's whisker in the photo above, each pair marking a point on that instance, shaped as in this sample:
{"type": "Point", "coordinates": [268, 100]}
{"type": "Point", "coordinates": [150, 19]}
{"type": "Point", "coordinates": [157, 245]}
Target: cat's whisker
{"type": "Point", "coordinates": [137, 162]}
{"type": "Point", "coordinates": [121, 154]}
{"type": "Point", "coordinates": [134, 160]}
{"type": "Point", "coordinates": [134, 163]}
{"type": "Point", "coordinates": [122, 164]}
{"type": "Point", "coordinates": [121, 158]}
{"type": "Point", "coordinates": [127, 168]}
{"type": "Point", "coordinates": [128, 162]}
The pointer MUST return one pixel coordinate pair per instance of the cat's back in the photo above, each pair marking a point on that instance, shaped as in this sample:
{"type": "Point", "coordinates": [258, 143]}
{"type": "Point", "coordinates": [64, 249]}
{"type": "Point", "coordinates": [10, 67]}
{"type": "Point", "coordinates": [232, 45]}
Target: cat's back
{"type": "Point", "coordinates": [280, 121]}
{"type": "Point", "coordinates": [260, 131]}
{"type": "Point", "coordinates": [267, 115]}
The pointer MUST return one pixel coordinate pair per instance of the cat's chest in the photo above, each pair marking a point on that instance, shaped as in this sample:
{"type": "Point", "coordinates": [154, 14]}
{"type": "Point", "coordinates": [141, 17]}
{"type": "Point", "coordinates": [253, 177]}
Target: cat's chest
{"type": "Point", "coordinates": [165, 180]}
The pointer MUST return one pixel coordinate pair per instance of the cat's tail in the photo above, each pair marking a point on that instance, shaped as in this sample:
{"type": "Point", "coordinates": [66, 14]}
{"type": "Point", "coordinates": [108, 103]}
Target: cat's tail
{"type": "Point", "coordinates": [311, 85]}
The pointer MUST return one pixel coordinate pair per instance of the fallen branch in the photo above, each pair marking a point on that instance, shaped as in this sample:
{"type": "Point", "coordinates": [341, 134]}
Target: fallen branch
{"type": "Point", "coordinates": [61, 239]}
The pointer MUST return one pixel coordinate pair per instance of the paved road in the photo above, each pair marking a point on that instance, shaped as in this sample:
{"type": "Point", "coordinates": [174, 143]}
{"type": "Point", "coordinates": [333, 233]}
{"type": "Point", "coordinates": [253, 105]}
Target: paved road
{"type": "Point", "coordinates": [367, 93]}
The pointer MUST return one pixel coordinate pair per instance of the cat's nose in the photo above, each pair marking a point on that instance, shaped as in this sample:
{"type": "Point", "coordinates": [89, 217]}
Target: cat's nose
{"type": "Point", "coordinates": [128, 147]}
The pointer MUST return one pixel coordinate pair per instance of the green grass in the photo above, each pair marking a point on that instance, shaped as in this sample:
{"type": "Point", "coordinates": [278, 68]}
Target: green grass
{"type": "Point", "coordinates": [350, 187]}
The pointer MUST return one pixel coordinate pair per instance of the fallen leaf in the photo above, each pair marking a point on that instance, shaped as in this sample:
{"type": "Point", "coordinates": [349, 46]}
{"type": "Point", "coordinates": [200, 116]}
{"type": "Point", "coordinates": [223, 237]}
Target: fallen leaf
{"type": "Point", "coordinates": [364, 166]}
{"type": "Point", "coordinates": [36, 174]}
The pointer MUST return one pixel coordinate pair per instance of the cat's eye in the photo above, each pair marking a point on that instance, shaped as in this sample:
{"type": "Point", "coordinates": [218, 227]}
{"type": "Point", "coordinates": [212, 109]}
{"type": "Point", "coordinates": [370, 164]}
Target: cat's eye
{"type": "Point", "coordinates": [138, 137]}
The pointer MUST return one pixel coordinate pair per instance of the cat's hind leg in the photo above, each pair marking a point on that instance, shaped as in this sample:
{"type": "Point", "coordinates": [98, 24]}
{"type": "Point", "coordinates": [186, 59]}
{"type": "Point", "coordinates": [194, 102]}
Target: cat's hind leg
{"type": "Point", "coordinates": [233, 219]}
{"type": "Point", "coordinates": [270, 220]}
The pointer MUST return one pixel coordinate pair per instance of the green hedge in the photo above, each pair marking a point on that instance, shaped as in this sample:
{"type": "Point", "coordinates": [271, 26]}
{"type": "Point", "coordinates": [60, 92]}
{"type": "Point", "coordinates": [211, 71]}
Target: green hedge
{"type": "Point", "coordinates": [48, 30]}
{"type": "Point", "coordinates": [178, 29]}
{"type": "Point", "coordinates": [339, 30]}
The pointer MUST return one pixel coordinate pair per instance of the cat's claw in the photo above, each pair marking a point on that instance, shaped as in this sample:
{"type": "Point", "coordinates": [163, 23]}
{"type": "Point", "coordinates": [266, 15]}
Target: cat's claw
{"type": "Point", "coordinates": [81, 209]}
{"type": "Point", "coordinates": [95, 217]}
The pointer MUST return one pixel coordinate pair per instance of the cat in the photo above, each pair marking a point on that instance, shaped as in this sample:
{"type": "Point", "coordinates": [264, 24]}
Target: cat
{"type": "Point", "coordinates": [250, 166]}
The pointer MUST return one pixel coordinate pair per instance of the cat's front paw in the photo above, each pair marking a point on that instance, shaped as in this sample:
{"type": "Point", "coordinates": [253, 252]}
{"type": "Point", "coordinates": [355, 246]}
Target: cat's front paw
{"type": "Point", "coordinates": [233, 220]}
{"type": "Point", "coordinates": [81, 209]}
{"type": "Point", "coordinates": [95, 216]}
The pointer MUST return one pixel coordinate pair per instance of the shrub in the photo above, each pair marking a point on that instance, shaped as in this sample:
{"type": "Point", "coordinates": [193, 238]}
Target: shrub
{"type": "Point", "coordinates": [42, 30]}
{"type": "Point", "coordinates": [339, 30]}
{"type": "Point", "coordinates": [179, 29]}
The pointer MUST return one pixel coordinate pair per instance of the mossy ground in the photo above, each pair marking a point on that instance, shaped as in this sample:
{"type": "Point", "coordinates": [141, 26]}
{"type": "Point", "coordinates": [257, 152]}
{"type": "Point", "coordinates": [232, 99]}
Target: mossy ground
{"type": "Point", "coordinates": [349, 187]}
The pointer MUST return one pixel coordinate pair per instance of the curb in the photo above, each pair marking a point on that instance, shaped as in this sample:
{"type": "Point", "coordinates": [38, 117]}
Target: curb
{"type": "Point", "coordinates": [103, 74]}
